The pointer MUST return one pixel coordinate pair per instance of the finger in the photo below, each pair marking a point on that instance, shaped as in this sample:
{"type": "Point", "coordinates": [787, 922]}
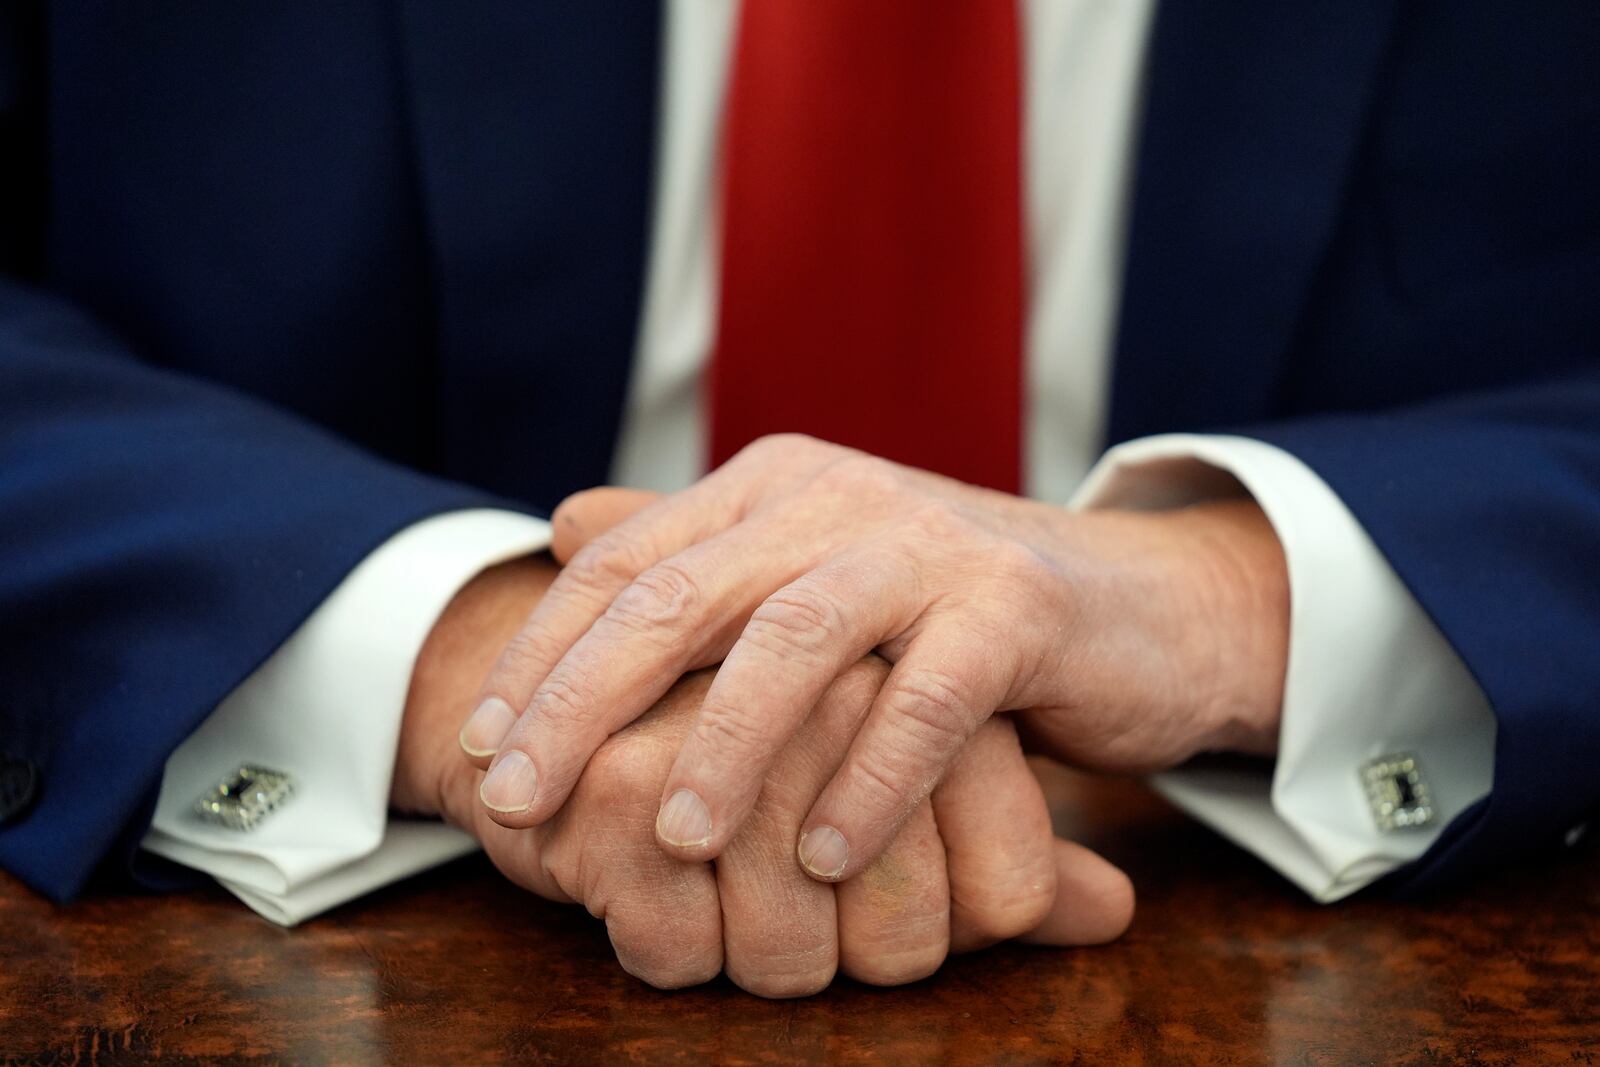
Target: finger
{"type": "Point", "coordinates": [681, 614]}
{"type": "Point", "coordinates": [781, 937]}
{"type": "Point", "coordinates": [584, 516]}
{"type": "Point", "coordinates": [580, 594]}
{"type": "Point", "coordinates": [999, 847]}
{"type": "Point", "coordinates": [663, 917]}
{"type": "Point", "coordinates": [947, 683]}
{"type": "Point", "coordinates": [1094, 900]}
{"type": "Point", "coordinates": [894, 920]}
{"type": "Point", "coordinates": [666, 924]}
{"type": "Point", "coordinates": [795, 644]}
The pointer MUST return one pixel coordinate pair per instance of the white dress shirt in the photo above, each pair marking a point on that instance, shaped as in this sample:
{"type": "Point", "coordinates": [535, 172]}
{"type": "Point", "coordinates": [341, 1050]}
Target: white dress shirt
{"type": "Point", "coordinates": [1368, 672]}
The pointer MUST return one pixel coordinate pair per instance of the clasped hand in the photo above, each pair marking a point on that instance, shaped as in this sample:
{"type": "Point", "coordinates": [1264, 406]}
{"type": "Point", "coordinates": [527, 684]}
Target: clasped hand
{"type": "Point", "coordinates": [1122, 640]}
{"type": "Point", "coordinates": [976, 863]}
{"type": "Point", "coordinates": [868, 622]}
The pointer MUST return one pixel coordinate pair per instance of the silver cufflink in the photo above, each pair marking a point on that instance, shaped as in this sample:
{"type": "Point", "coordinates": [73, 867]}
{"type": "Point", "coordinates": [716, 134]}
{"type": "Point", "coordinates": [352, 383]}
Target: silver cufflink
{"type": "Point", "coordinates": [1397, 792]}
{"type": "Point", "coordinates": [241, 800]}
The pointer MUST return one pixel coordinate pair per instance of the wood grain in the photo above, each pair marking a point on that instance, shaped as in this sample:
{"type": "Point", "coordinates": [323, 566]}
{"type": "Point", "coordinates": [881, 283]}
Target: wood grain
{"type": "Point", "coordinates": [1225, 963]}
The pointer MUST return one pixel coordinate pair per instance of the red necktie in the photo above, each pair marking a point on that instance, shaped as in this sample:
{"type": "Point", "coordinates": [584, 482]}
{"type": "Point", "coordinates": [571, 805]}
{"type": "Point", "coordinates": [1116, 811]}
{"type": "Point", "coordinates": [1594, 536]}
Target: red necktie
{"type": "Point", "coordinates": [871, 233]}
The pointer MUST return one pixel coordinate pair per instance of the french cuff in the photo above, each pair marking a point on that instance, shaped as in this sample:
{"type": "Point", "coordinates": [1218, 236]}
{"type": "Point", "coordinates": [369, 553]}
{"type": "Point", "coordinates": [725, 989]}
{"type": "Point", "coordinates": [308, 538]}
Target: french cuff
{"type": "Point", "coordinates": [325, 709]}
{"type": "Point", "coordinates": [1369, 675]}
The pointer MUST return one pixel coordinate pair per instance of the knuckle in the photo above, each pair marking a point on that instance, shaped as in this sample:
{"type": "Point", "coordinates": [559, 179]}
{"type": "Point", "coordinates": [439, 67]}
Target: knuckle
{"type": "Point", "coordinates": [561, 701]}
{"type": "Point", "coordinates": [624, 767]}
{"type": "Point", "coordinates": [1017, 561]}
{"type": "Point", "coordinates": [855, 688]}
{"type": "Point", "coordinates": [932, 710]}
{"type": "Point", "coordinates": [664, 963]}
{"type": "Point", "coordinates": [662, 918]}
{"type": "Point", "coordinates": [929, 718]}
{"type": "Point", "coordinates": [528, 654]}
{"type": "Point", "coordinates": [606, 562]}
{"type": "Point", "coordinates": [777, 448]}
{"type": "Point", "coordinates": [660, 595]}
{"type": "Point", "coordinates": [729, 731]}
{"type": "Point", "coordinates": [1008, 886]}
{"type": "Point", "coordinates": [858, 474]}
{"type": "Point", "coordinates": [943, 522]}
{"type": "Point", "coordinates": [887, 781]}
{"type": "Point", "coordinates": [1005, 905]}
{"type": "Point", "coordinates": [790, 443]}
{"type": "Point", "coordinates": [796, 621]}
{"type": "Point", "coordinates": [617, 794]}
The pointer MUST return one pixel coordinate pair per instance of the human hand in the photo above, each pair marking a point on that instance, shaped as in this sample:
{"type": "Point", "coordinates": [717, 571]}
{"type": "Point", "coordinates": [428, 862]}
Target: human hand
{"type": "Point", "coordinates": [1129, 641]}
{"type": "Point", "coordinates": [975, 864]}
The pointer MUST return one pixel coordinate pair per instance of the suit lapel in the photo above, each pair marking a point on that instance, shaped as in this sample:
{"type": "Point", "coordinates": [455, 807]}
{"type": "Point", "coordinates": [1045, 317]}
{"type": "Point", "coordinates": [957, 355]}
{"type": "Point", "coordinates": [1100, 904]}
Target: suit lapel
{"type": "Point", "coordinates": [534, 127]}
{"type": "Point", "coordinates": [1253, 113]}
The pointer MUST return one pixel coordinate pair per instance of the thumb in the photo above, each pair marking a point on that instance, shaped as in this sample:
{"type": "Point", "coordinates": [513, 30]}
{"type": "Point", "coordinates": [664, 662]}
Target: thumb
{"type": "Point", "coordinates": [1094, 901]}
{"type": "Point", "coordinates": [584, 516]}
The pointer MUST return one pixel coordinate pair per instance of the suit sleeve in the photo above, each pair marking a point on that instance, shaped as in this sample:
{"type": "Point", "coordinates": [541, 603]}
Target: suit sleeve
{"type": "Point", "coordinates": [159, 539]}
{"type": "Point", "coordinates": [327, 708]}
{"type": "Point", "coordinates": [1487, 507]}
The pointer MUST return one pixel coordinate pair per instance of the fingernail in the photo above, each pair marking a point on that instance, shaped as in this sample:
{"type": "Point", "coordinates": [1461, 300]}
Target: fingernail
{"type": "Point", "coordinates": [684, 820]}
{"type": "Point", "coordinates": [487, 727]}
{"type": "Point", "coordinates": [824, 851]}
{"type": "Point", "coordinates": [510, 784]}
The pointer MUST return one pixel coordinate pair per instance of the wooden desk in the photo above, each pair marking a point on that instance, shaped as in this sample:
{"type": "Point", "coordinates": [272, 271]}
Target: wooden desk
{"type": "Point", "coordinates": [1225, 963]}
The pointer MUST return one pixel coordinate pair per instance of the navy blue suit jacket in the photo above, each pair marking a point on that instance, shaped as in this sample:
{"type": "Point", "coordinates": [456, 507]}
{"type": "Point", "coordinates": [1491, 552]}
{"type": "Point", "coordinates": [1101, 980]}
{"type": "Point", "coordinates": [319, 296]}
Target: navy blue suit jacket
{"type": "Point", "coordinates": [282, 278]}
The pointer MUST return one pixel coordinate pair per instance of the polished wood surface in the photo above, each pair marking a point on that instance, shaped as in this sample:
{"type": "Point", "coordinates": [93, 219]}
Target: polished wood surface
{"type": "Point", "coordinates": [1225, 964]}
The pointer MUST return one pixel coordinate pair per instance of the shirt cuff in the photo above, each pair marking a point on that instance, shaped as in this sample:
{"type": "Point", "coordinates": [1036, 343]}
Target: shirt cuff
{"type": "Point", "coordinates": [326, 709]}
{"type": "Point", "coordinates": [1368, 674]}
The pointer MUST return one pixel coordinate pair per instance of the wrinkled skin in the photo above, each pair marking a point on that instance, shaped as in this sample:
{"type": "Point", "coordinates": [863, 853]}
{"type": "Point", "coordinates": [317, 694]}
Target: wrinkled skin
{"type": "Point", "coordinates": [976, 862]}
{"type": "Point", "coordinates": [1121, 640]}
